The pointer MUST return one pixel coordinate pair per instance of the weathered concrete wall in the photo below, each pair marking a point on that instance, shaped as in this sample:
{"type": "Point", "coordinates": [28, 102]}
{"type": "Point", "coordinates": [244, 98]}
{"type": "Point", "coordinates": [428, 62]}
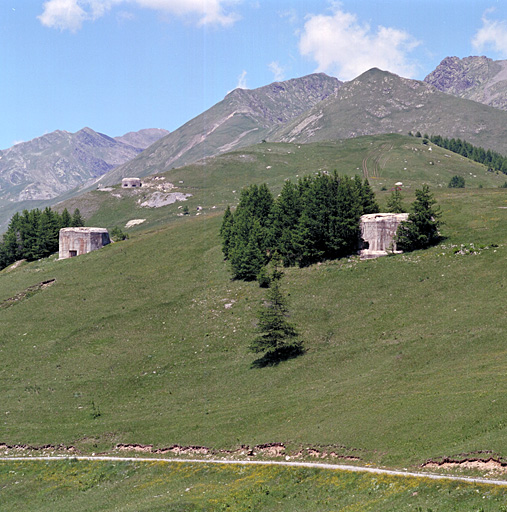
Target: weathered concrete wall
{"type": "Point", "coordinates": [131, 182]}
{"type": "Point", "coordinates": [76, 241]}
{"type": "Point", "coordinates": [377, 233]}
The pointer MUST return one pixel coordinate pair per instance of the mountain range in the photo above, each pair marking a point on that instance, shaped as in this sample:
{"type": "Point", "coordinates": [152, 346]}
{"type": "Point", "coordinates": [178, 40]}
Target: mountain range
{"type": "Point", "coordinates": [57, 162]}
{"type": "Point", "coordinates": [381, 102]}
{"type": "Point", "coordinates": [465, 98]}
{"type": "Point", "coordinates": [244, 117]}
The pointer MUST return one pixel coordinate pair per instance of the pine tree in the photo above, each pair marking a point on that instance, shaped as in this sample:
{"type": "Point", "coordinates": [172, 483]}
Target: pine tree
{"type": "Point", "coordinates": [421, 229]}
{"type": "Point", "coordinates": [285, 217]}
{"type": "Point", "coordinates": [311, 234]}
{"type": "Point", "coordinates": [226, 232]}
{"type": "Point", "coordinates": [65, 219]}
{"type": "Point", "coordinates": [345, 214]}
{"type": "Point", "coordinates": [12, 243]}
{"type": "Point", "coordinates": [367, 196]}
{"type": "Point", "coordinates": [395, 202]}
{"type": "Point", "coordinates": [47, 234]}
{"type": "Point", "coordinates": [77, 220]}
{"type": "Point", "coordinates": [28, 234]}
{"type": "Point", "coordinates": [246, 256]}
{"type": "Point", "coordinates": [277, 338]}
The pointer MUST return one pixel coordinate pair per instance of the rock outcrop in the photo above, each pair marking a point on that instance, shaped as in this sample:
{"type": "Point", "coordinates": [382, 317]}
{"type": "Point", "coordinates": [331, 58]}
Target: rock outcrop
{"type": "Point", "coordinates": [474, 78]}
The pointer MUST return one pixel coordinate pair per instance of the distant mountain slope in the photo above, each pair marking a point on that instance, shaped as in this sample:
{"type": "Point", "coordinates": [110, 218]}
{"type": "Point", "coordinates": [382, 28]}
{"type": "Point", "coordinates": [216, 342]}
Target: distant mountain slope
{"type": "Point", "coordinates": [143, 138]}
{"type": "Point", "coordinates": [381, 102]}
{"type": "Point", "coordinates": [242, 118]}
{"type": "Point", "coordinates": [474, 78]}
{"type": "Point", "coordinates": [49, 166]}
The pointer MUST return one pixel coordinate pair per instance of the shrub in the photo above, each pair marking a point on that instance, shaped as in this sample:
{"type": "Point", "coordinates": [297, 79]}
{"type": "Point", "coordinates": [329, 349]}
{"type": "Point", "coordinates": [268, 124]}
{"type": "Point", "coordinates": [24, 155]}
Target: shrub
{"type": "Point", "coordinates": [457, 182]}
{"type": "Point", "coordinates": [117, 234]}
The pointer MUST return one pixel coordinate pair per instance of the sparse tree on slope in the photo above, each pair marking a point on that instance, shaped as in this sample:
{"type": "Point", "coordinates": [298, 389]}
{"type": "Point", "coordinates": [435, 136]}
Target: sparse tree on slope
{"type": "Point", "coordinates": [277, 338]}
{"type": "Point", "coordinates": [457, 182]}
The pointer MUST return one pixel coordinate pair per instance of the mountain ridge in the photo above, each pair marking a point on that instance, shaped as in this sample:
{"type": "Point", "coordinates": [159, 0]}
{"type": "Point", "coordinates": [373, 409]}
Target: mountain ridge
{"type": "Point", "coordinates": [52, 164]}
{"type": "Point", "coordinates": [381, 102]}
{"type": "Point", "coordinates": [244, 117]}
{"type": "Point", "coordinates": [476, 78]}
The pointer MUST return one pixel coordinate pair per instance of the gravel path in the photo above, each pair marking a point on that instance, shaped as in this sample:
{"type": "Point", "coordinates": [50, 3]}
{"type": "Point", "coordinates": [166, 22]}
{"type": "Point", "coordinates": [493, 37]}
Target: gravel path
{"type": "Point", "coordinates": [339, 467]}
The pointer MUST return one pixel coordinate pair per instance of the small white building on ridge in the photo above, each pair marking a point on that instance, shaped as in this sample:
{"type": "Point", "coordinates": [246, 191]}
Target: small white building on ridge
{"type": "Point", "coordinates": [131, 183]}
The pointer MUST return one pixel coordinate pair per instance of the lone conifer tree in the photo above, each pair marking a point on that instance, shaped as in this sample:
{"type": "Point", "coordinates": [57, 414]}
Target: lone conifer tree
{"type": "Point", "coordinates": [278, 337]}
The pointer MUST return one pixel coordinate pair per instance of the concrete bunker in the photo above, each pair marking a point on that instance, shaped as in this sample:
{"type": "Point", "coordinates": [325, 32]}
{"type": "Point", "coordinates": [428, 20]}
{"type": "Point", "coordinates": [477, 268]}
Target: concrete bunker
{"type": "Point", "coordinates": [377, 234]}
{"type": "Point", "coordinates": [131, 183]}
{"type": "Point", "coordinates": [77, 241]}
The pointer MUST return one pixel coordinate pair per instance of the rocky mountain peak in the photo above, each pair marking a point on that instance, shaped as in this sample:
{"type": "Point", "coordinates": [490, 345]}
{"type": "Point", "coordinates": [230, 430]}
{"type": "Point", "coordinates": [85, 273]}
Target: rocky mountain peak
{"type": "Point", "coordinates": [280, 101]}
{"type": "Point", "coordinates": [476, 78]}
{"type": "Point", "coordinates": [244, 117]}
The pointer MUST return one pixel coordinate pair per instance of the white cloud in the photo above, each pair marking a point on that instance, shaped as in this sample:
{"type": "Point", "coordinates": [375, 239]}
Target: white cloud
{"type": "Point", "coordinates": [242, 81]}
{"type": "Point", "coordinates": [277, 70]}
{"type": "Point", "coordinates": [63, 14]}
{"type": "Point", "coordinates": [291, 15]}
{"type": "Point", "coordinates": [71, 14]}
{"type": "Point", "coordinates": [492, 34]}
{"type": "Point", "coordinates": [344, 47]}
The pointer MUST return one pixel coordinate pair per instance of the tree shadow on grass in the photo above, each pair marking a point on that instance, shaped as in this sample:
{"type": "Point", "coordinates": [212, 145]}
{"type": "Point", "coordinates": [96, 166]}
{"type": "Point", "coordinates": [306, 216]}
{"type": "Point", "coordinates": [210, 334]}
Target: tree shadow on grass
{"type": "Point", "coordinates": [275, 357]}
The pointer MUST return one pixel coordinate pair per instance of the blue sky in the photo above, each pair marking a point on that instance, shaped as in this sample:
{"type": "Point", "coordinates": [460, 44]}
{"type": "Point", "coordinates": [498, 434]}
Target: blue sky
{"type": "Point", "coordinates": [122, 65]}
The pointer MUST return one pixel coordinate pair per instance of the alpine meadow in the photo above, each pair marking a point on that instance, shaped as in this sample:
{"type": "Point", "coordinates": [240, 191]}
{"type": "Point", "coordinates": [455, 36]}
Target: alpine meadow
{"type": "Point", "coordinates": [231, 346]}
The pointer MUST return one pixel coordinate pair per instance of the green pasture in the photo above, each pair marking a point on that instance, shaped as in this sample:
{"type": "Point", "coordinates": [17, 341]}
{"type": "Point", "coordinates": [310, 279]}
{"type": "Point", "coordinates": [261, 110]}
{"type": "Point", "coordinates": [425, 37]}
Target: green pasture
{"type": "Point", "coordinates": [145, 342]}
{"type": "Point", "coordinates": [143, 487]}
{"type": "Point", "coordinates": [217, 182]}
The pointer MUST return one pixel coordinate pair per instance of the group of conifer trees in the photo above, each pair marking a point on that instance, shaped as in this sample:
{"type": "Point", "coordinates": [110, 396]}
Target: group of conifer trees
{"type": "Point", "coordinates": [491, 159]}
{"type": "Point", "coordinates": [312, 220]}
{"type": "Point", "coordinates": [34, 234]}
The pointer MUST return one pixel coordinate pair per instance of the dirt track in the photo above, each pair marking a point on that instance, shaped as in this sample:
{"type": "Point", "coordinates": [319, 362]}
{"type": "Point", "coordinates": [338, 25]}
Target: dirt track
{"type": "Point", "coordinates": [336, 467]}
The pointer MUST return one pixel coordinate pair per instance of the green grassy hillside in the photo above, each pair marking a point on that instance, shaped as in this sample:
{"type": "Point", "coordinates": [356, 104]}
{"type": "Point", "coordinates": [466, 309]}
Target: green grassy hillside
{"type": "Point", "coordinates": [385, 160]}
{"type": "Point", "coordinates": [134, 344]}
{"type": "Point", "coordinates": [143, 487]}
{"type": "Point", "coordinates": [145, 341]}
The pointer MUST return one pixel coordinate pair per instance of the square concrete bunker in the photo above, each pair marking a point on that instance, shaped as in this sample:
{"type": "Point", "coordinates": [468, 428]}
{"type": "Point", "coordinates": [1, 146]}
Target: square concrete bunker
{"type": "Point", "coordinates": [131, 182]}
{"type": "Point", "coordinates": [76, 241]}
{"type": "Point", "coordinates": [377, 233]}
